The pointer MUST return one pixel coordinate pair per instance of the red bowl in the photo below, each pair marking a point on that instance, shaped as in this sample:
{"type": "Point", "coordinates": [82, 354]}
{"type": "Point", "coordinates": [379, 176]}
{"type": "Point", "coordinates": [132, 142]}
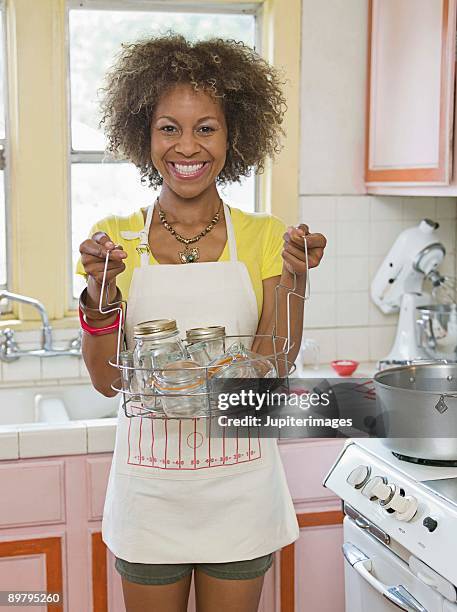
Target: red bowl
{"type": "Point", "coordinates": [345, 367]}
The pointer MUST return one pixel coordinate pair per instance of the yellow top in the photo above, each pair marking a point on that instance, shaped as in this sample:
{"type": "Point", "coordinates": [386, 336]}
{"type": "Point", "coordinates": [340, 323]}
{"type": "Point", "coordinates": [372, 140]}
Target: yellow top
{"type": "Point", "coordinates": [259, 241]}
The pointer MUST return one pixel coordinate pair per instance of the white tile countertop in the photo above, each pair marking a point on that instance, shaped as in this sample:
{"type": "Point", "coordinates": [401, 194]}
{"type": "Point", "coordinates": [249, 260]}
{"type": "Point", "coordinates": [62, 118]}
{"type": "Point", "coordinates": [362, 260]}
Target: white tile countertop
{"type": "Point", "coordinates": [364, 370]}
{"type": "Point", "coordinates": [27, 440]}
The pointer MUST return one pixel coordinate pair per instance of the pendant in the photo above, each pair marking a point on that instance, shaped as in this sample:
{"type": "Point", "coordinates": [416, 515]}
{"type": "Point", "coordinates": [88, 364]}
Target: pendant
{"type": "Point", "coordinates": [189, 255]}
{"type": "Point", "coordinates": [143, 248]}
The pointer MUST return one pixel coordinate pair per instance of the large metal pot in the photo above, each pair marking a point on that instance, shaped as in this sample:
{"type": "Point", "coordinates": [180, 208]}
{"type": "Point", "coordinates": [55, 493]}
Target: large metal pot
{"type": "Point", "coordinates": [417, 405]}
{"type": "Point", "coordinates": [437, 330]}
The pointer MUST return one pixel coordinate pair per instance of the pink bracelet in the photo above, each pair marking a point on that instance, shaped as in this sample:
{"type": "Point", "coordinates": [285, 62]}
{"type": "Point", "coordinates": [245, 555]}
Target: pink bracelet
{"type": "Point", "coordinates": [98, 331]}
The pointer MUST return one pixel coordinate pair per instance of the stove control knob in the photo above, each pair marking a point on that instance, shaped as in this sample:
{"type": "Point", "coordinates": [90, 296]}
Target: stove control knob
{"type": "Point", "coordinates": [359, 476]}
{"type": "Point", "coordinates": [405, 507]}
{"type": "Point", "coordinates": [377, 488]}
{"type": "Point", "coordinates": [430, 523]}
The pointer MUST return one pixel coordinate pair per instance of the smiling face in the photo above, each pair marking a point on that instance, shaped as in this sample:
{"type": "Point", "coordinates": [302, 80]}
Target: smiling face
{"type": "Point", "coordinates": [188, 140]}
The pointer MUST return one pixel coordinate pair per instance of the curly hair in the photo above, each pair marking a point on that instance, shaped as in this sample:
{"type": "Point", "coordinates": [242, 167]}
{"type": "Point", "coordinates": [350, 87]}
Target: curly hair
{"type": "Point", "coordinates": [248, 88]}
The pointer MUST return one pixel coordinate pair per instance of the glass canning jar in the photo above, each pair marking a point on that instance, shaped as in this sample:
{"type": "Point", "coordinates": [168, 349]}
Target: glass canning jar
{"type": "Point", "coordinates": [205, 343]}
{"type": "Point", "coordinates": [183, 389]}
{"type": "Point", "coordinates": [128, 378]}
{"type": "Point", "coordinates": [239, 362]}
{"type": "Point", "coordinates": [157, 344]}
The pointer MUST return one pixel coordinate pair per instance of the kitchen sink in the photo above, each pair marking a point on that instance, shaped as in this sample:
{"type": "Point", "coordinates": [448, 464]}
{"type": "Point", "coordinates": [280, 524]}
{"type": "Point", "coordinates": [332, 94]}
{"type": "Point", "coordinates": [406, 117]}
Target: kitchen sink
{"type": "Point", "coordinates": [54, 404]}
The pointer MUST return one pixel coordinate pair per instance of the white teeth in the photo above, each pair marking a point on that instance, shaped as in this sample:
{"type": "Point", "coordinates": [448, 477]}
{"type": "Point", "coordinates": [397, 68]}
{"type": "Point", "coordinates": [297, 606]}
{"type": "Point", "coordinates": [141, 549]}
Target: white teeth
{"type": "Point", "coordinates": [192, 169]}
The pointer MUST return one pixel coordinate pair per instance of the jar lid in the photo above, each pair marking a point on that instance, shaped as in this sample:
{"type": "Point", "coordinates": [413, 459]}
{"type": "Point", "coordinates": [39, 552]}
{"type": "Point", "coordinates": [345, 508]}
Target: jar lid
{"type": "Point", "coordinates": [196, 334]}
{"type": "Point", "coordinates": [156, 326]}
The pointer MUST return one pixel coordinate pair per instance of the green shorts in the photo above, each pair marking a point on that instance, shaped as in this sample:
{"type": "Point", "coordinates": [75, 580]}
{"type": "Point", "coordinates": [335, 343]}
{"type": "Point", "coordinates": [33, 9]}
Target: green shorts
{"type": "Point", "coordinates": [147, 573]}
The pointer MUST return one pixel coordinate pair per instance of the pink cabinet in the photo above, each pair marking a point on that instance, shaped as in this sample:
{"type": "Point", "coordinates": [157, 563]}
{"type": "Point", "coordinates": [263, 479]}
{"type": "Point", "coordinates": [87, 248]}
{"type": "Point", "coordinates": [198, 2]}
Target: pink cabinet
{"type": "Point", "coordinates": [311, 570]}
{"type": "Point", "coordinates": [32, 563]}
{"type": "Point", "coordinates": [50, 527]}
{"type": "Point", "coordinates": [50, 534]}
{"type": "Point", "coordinates": [410, 97]}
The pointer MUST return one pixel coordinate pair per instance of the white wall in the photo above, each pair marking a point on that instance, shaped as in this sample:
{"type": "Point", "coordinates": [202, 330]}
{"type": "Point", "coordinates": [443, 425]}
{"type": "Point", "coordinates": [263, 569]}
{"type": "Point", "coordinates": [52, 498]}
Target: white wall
{"type": "Point", "coordinates": [360, 229]}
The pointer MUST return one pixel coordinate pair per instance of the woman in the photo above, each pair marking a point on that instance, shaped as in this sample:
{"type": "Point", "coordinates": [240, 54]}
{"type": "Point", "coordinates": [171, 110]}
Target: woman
{"type": "Point", "coordinates": [191, 117]}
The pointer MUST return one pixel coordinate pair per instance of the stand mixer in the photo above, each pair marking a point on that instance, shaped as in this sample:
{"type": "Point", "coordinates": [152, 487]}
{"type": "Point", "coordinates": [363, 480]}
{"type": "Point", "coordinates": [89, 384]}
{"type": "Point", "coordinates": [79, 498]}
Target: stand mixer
{"type": "Point", "coordinates": [398, 286]}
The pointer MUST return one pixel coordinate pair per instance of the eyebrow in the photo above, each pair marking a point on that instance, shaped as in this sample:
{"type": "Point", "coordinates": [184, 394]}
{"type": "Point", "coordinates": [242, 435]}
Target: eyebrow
{"type": "Point", "coordinates": [198, 121]}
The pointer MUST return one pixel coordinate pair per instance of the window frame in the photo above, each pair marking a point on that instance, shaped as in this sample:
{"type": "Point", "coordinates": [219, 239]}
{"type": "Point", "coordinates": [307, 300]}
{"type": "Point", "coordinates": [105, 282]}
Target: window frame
{"type": "Point", "coordinates": [4, 144]}
{"type": "Point", "coordinates": [98, 157]}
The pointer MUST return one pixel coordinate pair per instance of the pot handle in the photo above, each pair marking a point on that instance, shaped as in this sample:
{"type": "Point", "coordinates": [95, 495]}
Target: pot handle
{"type": "Point", "coordinates": [407, 362]}
{"type": "Point", "coordinates": [441, 405]}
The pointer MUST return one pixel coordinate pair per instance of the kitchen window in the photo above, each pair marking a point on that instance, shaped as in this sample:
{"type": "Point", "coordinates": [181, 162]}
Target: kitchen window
{"type": "Point", "coordinates": [100, 186]}
{"type": "Point", "coordinates": [38, 193]}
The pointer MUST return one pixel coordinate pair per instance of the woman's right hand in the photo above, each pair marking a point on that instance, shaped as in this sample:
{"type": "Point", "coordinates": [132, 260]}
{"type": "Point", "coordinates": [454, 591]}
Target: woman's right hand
{"type": "Point", "coordinates": [93, 255]}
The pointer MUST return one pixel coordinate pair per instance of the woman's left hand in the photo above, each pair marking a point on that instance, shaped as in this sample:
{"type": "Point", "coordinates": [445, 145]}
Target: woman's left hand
{"type": "Point", "coordinates": [293, 252]}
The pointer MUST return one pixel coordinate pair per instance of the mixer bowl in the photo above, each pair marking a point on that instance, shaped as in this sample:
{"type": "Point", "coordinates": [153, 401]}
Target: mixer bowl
{"type": "Point", "coordinates": [437, 330]}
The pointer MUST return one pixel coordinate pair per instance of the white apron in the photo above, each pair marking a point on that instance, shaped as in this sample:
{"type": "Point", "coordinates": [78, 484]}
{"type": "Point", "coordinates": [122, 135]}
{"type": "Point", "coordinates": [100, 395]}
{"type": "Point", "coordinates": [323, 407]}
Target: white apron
{"type": "Point", "coordinates": [175, 494]}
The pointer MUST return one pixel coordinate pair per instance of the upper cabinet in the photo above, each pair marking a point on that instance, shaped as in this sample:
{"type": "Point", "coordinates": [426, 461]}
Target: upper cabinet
{"type": "Point", "coordinates": [410, 98]}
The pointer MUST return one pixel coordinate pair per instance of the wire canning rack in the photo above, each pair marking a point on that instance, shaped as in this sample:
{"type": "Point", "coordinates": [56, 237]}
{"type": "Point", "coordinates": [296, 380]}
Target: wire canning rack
{"type": "Point", "coordinates": [148, 402]}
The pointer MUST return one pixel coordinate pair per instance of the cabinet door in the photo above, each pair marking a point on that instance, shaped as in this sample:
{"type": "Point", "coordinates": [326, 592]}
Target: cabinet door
{"type": "Point", "coordinates": [410, 95]}
{"type": "Point", "coordinates": [312, 569]}
{"type": "Point", "coordinates": [320, 570]}
{"type": "Point", "coordinates": [32, 564]}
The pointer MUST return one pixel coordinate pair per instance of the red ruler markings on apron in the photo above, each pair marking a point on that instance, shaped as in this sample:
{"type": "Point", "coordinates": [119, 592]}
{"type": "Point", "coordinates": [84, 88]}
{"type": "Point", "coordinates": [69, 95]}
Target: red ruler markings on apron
{"type": "Point", "coordinates": [179, 451]}
{"type": "Point", "coordinates": [153, 459]}
{"type": "Point", "coordinates": [204, 451]}
{"type": "Point", "coordinates": [166, 442]}
{"type": "Point", "coordinates": [139, 440]}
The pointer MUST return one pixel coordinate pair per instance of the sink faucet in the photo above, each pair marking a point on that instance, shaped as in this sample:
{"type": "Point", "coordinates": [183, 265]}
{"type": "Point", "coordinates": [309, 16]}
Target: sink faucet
{"type": "Point", "coordinates": [9, 351]}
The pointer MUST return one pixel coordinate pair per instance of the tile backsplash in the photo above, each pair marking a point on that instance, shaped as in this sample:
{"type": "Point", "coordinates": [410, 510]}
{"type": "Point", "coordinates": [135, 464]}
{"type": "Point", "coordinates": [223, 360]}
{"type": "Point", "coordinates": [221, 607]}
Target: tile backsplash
{"type": "Point", "coordinates": [48, 370]}
{"type": "Point", "coordinates": [360, 230]}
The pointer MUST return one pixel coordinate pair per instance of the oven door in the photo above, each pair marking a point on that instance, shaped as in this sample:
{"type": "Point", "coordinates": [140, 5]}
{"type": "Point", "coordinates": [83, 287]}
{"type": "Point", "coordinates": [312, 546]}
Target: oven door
{"type": "Point", "coordinates": [376, 580]}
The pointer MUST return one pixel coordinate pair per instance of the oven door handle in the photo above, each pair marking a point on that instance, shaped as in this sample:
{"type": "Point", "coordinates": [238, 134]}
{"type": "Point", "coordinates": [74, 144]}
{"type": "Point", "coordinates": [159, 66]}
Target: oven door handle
{"type": "Point", "coordinates": [397, 595]}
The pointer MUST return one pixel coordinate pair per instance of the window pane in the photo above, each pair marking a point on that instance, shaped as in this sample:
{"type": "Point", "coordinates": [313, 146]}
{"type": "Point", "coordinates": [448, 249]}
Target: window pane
{"type": "Point", "coordinates": [240, 195]}
{"type": "Point", "coordinates": [95, 38]}
{"type": "Point", "coordinates": [99, 190]}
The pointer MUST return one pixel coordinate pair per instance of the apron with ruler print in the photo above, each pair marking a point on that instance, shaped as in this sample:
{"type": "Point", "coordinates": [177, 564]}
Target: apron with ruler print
{"type": "Point", "coordinates": [176, 494]}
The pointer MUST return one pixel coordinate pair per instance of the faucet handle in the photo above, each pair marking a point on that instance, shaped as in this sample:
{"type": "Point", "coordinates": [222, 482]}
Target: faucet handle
{"type": "Point", "coordinates": [8, 346]}
{"type": "Point", "coordinates": [7, 334]}
{"type": "Point", "coordinates": [75, 343]}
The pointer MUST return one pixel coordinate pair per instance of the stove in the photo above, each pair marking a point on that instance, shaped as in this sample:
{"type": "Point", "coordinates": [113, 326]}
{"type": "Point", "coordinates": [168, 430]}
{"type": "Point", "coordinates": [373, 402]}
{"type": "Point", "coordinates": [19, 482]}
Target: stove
{"type": "Point", "coordinates": [400, 523]}
{"type": "Point", "coordinates": [445, 488]}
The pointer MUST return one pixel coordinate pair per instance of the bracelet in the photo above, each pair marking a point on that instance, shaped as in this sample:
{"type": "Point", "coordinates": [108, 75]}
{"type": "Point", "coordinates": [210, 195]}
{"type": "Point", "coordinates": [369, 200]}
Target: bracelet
{"type": "Point", "coordinates": [93, 313]}
{"type": "Point", "coordinates": [98, 331]}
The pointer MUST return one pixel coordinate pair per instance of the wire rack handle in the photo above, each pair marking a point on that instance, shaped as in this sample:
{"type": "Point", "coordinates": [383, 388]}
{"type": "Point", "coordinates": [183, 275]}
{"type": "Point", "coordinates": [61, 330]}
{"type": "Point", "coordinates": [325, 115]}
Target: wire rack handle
{"type": "Point", "coordinates": [118, 306]}
{"type": "Point", "coordinates": [290, 292]}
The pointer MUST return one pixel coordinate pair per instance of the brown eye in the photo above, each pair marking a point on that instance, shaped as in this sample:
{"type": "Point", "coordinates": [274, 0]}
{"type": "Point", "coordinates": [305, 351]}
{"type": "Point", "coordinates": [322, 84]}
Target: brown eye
{"type": "Point", "coordinates": [168, 129]}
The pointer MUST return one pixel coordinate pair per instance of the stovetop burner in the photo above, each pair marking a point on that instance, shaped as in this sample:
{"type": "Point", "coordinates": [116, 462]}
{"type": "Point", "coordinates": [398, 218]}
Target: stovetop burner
{"type": "Point", "coordinates": [431, 462]}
